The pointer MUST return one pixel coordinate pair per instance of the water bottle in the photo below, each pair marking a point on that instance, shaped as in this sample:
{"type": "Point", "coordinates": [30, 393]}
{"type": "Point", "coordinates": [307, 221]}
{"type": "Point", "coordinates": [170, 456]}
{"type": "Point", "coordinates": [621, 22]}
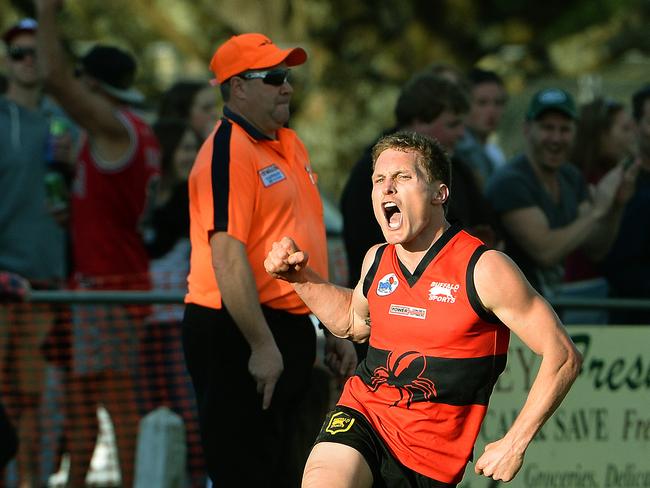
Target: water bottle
{"type": "Point", "coordinates": [56, 188]}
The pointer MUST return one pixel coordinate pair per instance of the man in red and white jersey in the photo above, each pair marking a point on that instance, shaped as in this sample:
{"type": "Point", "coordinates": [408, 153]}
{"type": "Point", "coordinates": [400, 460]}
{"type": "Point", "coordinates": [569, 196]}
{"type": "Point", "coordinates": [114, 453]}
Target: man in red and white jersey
{"type": "Point", "coordinates": [437, 307]}
{"type": "Point", "coordinates": [117, 166]}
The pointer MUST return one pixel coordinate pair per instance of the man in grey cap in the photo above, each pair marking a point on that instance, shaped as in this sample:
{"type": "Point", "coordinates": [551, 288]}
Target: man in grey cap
{"type": "Point", "coordinates": [117, 166]}
{"type": "Point", "coordinates": [544, 203]}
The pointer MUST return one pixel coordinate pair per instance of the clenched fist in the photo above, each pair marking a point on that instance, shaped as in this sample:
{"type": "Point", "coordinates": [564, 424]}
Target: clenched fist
{"type": "Point", "coordinates": [285, 261]}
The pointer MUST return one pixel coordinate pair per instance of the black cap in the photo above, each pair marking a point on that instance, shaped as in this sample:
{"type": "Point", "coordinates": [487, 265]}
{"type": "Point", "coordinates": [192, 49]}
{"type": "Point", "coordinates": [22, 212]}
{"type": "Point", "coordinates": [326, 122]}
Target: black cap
{"type": "Point", "coordinates": [115, 70]}
{"type": "Point", "coordinates": [552, 99]}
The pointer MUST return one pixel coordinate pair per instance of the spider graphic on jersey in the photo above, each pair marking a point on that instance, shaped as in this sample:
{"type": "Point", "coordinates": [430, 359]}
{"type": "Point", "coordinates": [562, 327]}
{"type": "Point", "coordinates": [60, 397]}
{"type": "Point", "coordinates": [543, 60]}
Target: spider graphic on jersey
{"type": "Point", "coordinates": [405, 375]}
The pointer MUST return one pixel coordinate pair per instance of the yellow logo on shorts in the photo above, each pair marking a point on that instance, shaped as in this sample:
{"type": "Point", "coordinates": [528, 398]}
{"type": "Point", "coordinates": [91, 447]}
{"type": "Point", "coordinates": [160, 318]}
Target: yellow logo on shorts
{"type": "Point", "coordinates": [339, 422]}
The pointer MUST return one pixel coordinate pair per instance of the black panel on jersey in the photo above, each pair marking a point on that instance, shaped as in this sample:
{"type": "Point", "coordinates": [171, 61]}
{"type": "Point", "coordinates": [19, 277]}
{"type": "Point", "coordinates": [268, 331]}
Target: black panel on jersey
{"type": "Point", "coordinates": [370, 276]}
{"type": "Point", "coordinates": [453, 381]}
{"type": "Point", "coordinates": [221, 174]}
{"type": "Point", "coordinates": [474, 300]}
{"type": "Point", "coordinates": [433, 251]}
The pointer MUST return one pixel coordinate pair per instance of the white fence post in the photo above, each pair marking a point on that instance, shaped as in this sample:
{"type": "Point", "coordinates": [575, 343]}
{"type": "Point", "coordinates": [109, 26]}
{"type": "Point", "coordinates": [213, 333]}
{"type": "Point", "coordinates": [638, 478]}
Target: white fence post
{"type": "Point", "coordinates": [161, 454]}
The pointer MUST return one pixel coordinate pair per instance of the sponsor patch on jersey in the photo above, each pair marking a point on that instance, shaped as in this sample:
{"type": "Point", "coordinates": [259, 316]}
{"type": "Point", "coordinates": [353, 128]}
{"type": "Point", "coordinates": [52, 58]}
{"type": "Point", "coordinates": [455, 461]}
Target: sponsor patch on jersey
{"type": "Point", "coordinates": [271, 175]}
{"type": "Point", "coordinates": [387, 285]}
{"type": "Point", "coordinates": [339, 422]}
{"type": "Point", "coordinates": [406, 311]}
{"type": "Point", "coordinates": [443, 292]}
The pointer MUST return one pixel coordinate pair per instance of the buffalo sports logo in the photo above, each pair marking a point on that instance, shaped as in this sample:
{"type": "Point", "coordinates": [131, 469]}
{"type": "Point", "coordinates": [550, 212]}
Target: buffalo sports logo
{"type": "Point", "coordinates": [443, 292]}
{"type": "Point", "coordinates": [387, 285]}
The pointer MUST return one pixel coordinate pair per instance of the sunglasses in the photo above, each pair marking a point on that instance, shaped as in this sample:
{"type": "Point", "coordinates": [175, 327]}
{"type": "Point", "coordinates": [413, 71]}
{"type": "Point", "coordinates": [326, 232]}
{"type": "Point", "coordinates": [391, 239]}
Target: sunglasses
{"type": "Point", "coordinates": [275, 77]}
{"type": "Point", "coordinates": [18, 53]}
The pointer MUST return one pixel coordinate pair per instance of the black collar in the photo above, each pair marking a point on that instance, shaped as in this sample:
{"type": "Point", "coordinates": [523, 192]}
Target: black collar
{"type": "Point", "coordinates": [246, 125]}
{"type": "Point", "coordinates": [433, 251]}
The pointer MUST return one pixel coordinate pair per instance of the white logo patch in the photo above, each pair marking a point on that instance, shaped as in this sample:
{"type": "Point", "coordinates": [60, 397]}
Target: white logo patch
{"type": "Point", "coordinates": [387, 285]}
{"type": "Point", "coordinates": [405, 311]}
{"type": "Point", "coordinates": [443, 292]}
{"type": "Point", "coordinates": [551, 96]}
{"type": "Point", "coordinates": [271, 175]}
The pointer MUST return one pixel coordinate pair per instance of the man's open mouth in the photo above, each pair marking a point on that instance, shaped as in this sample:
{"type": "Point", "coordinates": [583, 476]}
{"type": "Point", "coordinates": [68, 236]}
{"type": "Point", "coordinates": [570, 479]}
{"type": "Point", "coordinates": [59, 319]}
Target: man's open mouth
{"type": "Point", "coordinates": [393, 215]}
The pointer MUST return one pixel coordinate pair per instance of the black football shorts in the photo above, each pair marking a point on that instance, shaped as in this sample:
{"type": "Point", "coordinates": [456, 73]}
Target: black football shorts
{"type": "Point", "coordinates": [347, 426]}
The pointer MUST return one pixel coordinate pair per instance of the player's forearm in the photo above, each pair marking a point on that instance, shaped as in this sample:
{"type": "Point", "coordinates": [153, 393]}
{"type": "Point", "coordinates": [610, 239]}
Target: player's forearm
{"type": "Point", "coordinates": [332, 304]}
{"type": "Point", "coordinates": [556, 374]}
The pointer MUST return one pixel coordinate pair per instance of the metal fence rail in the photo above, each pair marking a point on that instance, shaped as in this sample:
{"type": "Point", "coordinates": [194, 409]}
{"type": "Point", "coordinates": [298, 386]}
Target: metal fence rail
{"type": "Point", "coordinates": [167, 297]}
{"type": "Point", "coordinates": [600, 303]}
{"type": "Point", "coordinates": [105, 297]}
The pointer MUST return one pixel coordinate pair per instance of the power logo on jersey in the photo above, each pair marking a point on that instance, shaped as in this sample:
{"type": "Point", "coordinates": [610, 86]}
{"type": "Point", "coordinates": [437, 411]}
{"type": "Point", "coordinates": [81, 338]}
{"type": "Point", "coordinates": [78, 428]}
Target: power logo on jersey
{"type": "Point", "coordinates": [406, 311]}
{"type": "Point", "coordinates": [387, 285]}
{"type": "Point", "coordinates": [443, 292]}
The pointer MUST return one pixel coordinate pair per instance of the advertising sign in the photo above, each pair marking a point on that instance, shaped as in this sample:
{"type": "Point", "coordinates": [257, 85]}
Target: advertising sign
{"type": "Point", "coordinates": [599, 437]}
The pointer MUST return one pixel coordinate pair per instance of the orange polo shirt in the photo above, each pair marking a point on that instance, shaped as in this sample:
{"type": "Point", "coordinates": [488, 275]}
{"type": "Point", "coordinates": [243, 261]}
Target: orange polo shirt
{"type": "Point", "coordinates": [257, 190]}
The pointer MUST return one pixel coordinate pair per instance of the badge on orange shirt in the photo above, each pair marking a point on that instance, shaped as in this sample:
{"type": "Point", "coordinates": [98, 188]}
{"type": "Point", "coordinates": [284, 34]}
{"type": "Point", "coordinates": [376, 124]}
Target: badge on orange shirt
{"type": "Point", "coordinates": [271, 175]}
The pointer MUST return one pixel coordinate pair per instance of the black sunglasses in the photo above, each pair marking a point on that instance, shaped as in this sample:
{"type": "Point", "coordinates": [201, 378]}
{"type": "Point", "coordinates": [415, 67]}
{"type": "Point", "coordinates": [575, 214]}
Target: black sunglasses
{"type": "Point", "coordinates": [275, 77]}
{"type": "Point", "coordinates": [18, 53]}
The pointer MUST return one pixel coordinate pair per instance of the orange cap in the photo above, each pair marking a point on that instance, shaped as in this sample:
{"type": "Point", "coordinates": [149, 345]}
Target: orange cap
{"type": "Point", "coordinates": [251, 51]}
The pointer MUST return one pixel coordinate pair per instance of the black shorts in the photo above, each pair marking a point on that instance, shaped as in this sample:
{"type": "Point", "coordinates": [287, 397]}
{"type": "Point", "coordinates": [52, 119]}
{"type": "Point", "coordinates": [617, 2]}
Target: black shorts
{"type": "Point", "coordinates": [347, 426]}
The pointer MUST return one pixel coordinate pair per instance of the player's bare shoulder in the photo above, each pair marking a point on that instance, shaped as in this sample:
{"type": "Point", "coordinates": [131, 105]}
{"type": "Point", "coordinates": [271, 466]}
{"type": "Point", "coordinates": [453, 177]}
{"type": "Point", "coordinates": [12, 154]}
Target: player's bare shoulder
{"type": "Point", "coordinates": [498, 278]}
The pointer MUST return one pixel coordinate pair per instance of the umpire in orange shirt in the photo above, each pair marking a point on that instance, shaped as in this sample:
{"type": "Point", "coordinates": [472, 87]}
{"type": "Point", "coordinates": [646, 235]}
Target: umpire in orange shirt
{"type": "Point", "coordinates": [249, 342]}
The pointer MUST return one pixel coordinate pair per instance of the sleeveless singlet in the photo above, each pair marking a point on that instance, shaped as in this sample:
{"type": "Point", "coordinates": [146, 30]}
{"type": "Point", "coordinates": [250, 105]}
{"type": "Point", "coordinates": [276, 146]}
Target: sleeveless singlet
{"type": "Point", "coordinates": [434, 356]}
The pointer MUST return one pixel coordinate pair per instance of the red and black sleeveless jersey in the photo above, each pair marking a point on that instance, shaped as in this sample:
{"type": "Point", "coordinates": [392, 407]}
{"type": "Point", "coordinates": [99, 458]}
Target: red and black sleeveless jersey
{"type": "Point", "coordinates": [108, 204]}
{"type": "Point", "coordinates": [434, 356]}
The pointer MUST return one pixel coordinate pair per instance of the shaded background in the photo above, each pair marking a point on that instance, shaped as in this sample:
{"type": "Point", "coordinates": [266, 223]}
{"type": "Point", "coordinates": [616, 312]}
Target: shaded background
{"type": "Point", "coordinates": [362, 51]}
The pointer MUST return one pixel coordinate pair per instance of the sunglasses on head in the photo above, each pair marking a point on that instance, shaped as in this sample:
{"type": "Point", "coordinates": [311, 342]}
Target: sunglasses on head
{"type": "Point", "coordinates": [275, 77]}
{"type": "Point", "coordinates": [18, 53]}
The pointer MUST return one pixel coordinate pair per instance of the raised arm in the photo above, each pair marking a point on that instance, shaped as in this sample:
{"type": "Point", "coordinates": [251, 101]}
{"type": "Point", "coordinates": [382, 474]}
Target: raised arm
{"type": "Point", "coordinates": [92, 112]}
{"type": "Point", "coordinates": [343, 311]}
{"type": "Point", "coordinates": [511, 298]}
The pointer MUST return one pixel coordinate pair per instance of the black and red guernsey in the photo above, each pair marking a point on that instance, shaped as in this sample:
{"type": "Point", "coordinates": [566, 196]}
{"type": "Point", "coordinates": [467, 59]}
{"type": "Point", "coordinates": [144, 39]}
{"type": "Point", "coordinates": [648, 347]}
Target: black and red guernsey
{"type": "Point", "coordinates": [434, 356]}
